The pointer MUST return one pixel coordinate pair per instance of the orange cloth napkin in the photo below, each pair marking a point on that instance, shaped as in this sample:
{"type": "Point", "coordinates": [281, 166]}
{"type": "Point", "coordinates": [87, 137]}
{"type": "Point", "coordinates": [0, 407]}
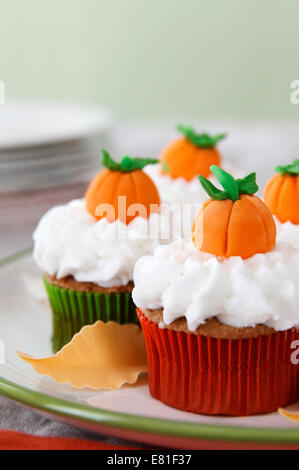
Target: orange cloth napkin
{"type": "Point", "coordinates": [13, 440]}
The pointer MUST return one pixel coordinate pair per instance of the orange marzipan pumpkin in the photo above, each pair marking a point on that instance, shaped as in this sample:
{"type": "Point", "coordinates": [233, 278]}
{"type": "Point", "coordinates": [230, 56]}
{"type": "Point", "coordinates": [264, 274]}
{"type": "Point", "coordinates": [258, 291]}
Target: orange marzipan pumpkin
{"type": "Point", "coordinates": [124, 179]}
{"type": "Point", "coordinates": [190, 155]}
{"type": "Point", "coordinates": [282, 193]}
{"type": "Point", "coordinates": [238, 226]}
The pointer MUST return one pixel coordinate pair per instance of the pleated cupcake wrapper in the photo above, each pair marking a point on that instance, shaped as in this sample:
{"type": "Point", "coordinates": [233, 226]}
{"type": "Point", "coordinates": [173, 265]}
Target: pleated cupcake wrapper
{"type": "Point", "coordinates": [73, 309]}
{"type": "Point", "coordinates": [221, 376]}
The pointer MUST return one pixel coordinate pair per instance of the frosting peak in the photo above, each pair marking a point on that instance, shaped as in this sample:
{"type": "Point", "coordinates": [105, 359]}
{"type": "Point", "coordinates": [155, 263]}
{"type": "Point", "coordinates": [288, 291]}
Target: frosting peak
{"type": "Point", "coordinates": [185, 282]}
{"type": "Point", "coordinates": [69, 241]}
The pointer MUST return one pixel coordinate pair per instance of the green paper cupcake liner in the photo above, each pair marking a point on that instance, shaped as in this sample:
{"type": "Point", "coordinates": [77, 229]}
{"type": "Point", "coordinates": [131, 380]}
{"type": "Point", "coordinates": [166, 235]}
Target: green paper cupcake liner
{"type": "Point", "coordinates": [73, 309]}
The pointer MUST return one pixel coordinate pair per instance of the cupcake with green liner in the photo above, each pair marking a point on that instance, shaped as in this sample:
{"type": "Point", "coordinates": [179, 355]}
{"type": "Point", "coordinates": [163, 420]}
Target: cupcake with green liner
{"type": "Point", "coordinates": [87, 248]}
{"type": "Point", "coordinates": [220, 310]}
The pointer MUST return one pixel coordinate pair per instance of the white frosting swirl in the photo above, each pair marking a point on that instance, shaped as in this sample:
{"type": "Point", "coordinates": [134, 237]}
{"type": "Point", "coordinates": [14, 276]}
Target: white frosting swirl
{"type": "Point", "coordinates": [178, 190]}
{"type": "Point", "coordinates": [69, 241]}
{"type": "Point", "coordinates": [287, 233]}
{"type": "Point", "coordinates": [263, 289]}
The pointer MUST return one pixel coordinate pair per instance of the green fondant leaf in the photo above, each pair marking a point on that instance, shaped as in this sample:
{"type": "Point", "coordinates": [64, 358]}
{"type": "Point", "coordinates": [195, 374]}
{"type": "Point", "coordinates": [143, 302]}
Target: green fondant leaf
{"type": "Point", "coordinates": [108, 162]}
{"type": "Point", "coordinates": [247, 185]}
{"type": "Point", "coordinates": [200, 140]}
{"type": "Point", "coordinates": [292, 169]}
{"type": "Point", "coordinates": [127, 163]}
{"type": "Point", "coordinates": [232, 188]}
{"type": "Point", "coordinates": [131, 164]}
{"type": "Point", "coordinates": [227, 181]}
{"type": "Point", "coordinates": [214, 193]}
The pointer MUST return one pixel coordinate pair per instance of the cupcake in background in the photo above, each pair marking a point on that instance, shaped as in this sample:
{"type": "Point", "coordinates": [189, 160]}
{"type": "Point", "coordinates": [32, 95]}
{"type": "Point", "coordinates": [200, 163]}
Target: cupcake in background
{"type": "Point", "coordinates": [88, 247]}
{"type": "Point", "coordinates": [282, 197]}
{"type": "Point", "coordinates": [176, 174]}
{"type": "Point", "coordinates": [181, 161]}
{"type": "Point", "coordinates": [219, 311]}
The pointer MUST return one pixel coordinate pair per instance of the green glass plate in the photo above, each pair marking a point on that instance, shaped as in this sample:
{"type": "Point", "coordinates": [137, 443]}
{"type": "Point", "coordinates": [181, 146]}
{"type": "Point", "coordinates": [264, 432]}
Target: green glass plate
{"type": "Point", "coordinates": [130, 413]}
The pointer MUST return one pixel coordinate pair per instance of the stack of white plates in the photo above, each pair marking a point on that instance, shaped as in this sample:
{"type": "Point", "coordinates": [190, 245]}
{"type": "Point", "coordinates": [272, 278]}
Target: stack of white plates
{"type": "Point", "coordinates": [49, 145]}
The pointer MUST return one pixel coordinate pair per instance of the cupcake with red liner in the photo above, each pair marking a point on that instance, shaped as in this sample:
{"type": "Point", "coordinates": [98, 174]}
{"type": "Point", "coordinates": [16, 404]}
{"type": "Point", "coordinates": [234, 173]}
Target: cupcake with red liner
{"type": "Point", "coordinates": [87, 248]}
{"type": "Point", "coordinates": [281, 195]}
{"type": "Point", "coordinates": [219, 311]}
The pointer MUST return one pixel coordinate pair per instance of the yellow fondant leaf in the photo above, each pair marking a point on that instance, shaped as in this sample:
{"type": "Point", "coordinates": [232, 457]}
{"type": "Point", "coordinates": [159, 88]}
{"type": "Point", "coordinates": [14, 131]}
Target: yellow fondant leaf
{"type": "Point", "coordinates": [102, 355]}
{"type": "Point", "coordinates": [286, 414]}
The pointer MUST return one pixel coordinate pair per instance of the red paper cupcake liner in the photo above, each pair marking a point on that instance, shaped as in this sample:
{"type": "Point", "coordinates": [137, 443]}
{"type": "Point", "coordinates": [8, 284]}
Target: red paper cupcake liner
{"type": "Point", "coordinates": [221, 376]}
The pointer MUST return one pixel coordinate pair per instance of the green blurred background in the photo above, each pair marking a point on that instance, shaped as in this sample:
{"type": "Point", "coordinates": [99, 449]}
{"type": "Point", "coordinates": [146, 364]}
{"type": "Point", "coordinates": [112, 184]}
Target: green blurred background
{"type": "Point", "coordinates": [154, 59]}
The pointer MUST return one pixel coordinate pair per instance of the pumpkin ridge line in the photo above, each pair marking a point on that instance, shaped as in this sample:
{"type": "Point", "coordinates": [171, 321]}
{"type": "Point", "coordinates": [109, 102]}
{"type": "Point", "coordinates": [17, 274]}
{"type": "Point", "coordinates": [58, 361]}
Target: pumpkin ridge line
{"type": "Point", "coordinates": [116, 196]}
{"type": "Point", "coordinates": [227, 228]}
{"type": "Point", "coordinates": [296, 193]}
{"type": "Point", "coordinates": [135, 186]}
{"type": "Point", "coordinates": [201, 209]}
{"type": "Point", "coordinates": [279, 202]}
{"type": "Point", "coordinates": [133, 176]}
{"type": "Point", "coordinates": [297, 190]}
{"type": "Point", "coordinates": [109, 184]}
{"type": "Point", "coordinates": [262, 219]}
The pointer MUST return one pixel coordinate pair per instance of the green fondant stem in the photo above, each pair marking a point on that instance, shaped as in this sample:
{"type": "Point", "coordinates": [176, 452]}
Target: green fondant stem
{"type": "Point", "coordinates": [200, 140]}
{"type": "Point", "coordinates": [127, 164]}
{"type": "Point", "coordinates": [232, 188]}
{"type": "Point", "coordinates": [292, 169]}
